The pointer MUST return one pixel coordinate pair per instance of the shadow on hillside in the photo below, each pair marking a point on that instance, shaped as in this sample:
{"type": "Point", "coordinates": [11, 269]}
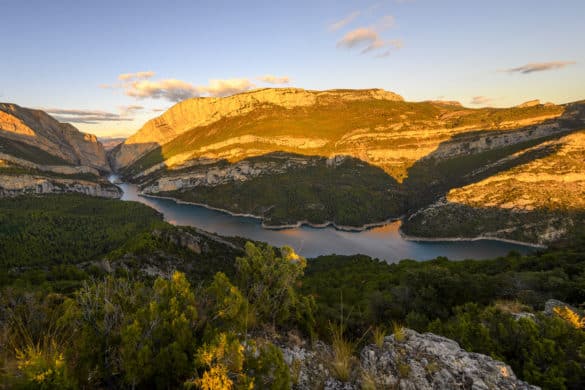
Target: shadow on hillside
{"type": "Point", "coordinates": [153, 154]}
{"type": "Point", "coordinates": [480, 154]}
{"type": "Point", "coordinates": [543, 225]}
{"type": "Point", "coordinates": [463, 159]}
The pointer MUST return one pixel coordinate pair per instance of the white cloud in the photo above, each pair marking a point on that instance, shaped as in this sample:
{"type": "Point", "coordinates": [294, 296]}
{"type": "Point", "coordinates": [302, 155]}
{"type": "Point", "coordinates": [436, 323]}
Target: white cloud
{"type": "Point", "coordinates": [136, 76]}
{"type": "Point", "coordinates": [358, 37]}
{"type": "Point", "coordinates": [540, 67]}
{"type": "Point", "coordinates": [140, 85]}
{"type": "Point", "coordinates": [170, 89]}
{"type": "Point", "coordinates": [481, 100]}
{"type": "Point", "coordinates": [344, 22]}
{"type": "Point", "coordinates": [85, 116]}
{"type": "Point", "coordinates": [370, 40]}
{"type": "Point", "coordinates": [228, 87]}
{"type": "Point", "coordinates": [176, 90]}
{"type": "Point", "coordinates": [270, 79]}
{"type": "Point", "coordinates": [129, 110]}
{"type": "Point", "coordinates": [385, 23]}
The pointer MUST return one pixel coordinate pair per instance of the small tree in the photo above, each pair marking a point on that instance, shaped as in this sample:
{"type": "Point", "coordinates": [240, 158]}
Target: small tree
{"type": "Point", "coordinates": [268, 281]}
{"type": "Point", "coordinates": [157, 345]}
{"type": "Point", "coordinates": [227, 307]}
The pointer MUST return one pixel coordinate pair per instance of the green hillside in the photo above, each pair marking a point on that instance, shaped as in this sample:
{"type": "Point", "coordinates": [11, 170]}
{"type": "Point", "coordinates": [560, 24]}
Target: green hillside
{"type": "Point", "coordinates": [334, 121]}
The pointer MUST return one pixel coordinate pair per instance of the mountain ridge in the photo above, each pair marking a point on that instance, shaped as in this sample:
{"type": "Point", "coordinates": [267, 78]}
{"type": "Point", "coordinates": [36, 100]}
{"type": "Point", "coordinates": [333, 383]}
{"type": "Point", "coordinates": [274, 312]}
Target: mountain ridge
{"type": "Point", "coordinates": [202, 111]}
{"type": "Point", "coordinates": [319, 162]}
{"type": "Point", "coordinates": [40, 155]}
{"type": "Point", "coordinates": [39, 129]}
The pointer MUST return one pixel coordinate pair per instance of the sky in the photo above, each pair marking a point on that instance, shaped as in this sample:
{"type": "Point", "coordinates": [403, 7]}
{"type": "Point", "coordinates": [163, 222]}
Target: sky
{"type": "Point", "coordinates": [109, 66]}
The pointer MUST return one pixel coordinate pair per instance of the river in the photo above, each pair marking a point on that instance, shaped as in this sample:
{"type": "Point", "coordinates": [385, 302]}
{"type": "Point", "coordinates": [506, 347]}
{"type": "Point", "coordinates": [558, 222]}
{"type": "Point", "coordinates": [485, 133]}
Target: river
{"type": "Point", "coordinates": [383, 242]}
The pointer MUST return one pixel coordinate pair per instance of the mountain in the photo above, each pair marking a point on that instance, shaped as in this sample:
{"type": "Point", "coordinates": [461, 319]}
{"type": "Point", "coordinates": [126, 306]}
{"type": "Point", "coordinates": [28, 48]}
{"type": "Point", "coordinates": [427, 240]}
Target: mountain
{"type": "Point", "coordinates": [38, 154]}
{"type": "Point", "coordinates": [200, 112]}
{"type": "Point", "coordinates": [347, 157]}
{"type": "Point", "coordinates": [110, 143]}
{"type": "Point", "coordinates": [38, 129]}
{"type": "Point", "coordinates": [540, 200]}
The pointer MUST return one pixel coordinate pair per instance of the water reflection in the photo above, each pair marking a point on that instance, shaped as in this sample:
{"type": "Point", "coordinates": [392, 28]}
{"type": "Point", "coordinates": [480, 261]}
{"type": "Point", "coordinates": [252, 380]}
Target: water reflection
{"type": "Point", "coordinates": [382, 242]}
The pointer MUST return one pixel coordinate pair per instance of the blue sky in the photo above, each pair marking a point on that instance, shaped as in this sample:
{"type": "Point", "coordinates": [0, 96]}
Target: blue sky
{"type": "Point", "coordinates": [70, 57]}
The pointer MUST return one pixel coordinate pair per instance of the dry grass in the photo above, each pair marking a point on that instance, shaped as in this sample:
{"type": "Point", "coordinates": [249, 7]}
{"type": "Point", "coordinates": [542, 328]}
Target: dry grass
{"type": "Point", "coordinates": [511, 306]}
{"type": "Point", "coordinates": [398, 332]}
{"type": "Point", "coordinates": [367, 381]}
{"type": "Point", "coordinates": [342, 359]}
{"type": "Point", "coordinates": [378, 335]}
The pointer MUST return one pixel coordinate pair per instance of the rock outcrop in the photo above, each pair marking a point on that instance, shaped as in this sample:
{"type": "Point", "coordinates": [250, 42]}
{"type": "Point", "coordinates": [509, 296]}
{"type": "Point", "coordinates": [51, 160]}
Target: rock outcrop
{"type": "Point", "coordinates": [40, 130]}
{"type": "Point", "coordinates": [375, 126]}
{"type": "Point", "coordinates": [432, 150]}
{"type": "Point", "coordinates": [213, 175]}
{"type": "Point", "coordinates": [416, 361]}
{"type": "Point", "coordinates": [26, 184]}
{"type": "Point", "coordinates": [428, 361]}
{"type": "Point", "coordinates": [62, 169]}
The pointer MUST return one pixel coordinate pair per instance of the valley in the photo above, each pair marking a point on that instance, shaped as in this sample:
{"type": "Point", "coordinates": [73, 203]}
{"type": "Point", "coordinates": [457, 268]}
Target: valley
{"type": "Point", "coordinates": [388, 200]}
{"type": "Point", "coordinates": [350, 158]}
{"type": "Point", "coordinates": [307, 195]}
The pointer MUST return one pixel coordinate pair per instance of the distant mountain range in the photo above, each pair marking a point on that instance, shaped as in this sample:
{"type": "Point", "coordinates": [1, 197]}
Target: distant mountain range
{"type": "Point", "coordinates": [352, 158]}
{"type": "Point", "coordinates": [357, 157]}
{"type": "Point", "coordinates": [40, 155]}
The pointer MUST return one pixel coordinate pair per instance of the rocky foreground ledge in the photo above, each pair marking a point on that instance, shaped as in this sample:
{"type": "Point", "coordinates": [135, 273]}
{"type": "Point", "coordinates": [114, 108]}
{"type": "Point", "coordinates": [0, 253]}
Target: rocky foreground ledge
{"type": "Point", "coordinates": [412, 361]}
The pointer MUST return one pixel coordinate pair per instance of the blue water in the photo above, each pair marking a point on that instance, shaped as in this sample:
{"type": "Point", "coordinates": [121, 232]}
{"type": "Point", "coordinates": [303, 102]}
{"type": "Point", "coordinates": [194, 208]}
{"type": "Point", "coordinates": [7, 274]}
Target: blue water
{"type": "Point", "coordinates": [383, 242]}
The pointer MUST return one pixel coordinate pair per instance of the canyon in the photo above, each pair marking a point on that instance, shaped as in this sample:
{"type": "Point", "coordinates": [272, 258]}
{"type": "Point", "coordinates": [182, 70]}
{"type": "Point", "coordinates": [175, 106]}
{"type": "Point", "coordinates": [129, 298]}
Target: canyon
{"type": "Point", "coordinates": [290, 155]}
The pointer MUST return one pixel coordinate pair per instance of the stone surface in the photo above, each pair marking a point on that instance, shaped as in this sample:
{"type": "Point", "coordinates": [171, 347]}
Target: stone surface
{"type": "Point", "coordinates": [552, 304]}
{"type": "Point", "coordinates": [26, 184]}
{"type": "Point", "coordinates": [538, 201]}
{"type": "Point", "coordinates": [419, 362]}
{"type": "Point", "coordinates": [428, 361]}
{"type": "Point", "coordinates": [62, 169]}
{"type": "Point", "coordinates": [204, 175]}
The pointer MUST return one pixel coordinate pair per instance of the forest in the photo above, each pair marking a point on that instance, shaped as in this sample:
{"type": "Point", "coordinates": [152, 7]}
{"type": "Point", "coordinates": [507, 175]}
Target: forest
{"type": "Point", "coordinates": [120, 301]}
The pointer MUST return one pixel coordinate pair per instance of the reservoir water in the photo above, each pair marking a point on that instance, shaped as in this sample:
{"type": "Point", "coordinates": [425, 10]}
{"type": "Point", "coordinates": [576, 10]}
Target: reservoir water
{"type": "Point", "coordinates": [383, 242]}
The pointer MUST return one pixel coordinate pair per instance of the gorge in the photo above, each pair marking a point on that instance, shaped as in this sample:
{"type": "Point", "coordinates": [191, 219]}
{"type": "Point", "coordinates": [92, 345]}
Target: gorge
{"type": "Point", "coordinates": [384, 242]}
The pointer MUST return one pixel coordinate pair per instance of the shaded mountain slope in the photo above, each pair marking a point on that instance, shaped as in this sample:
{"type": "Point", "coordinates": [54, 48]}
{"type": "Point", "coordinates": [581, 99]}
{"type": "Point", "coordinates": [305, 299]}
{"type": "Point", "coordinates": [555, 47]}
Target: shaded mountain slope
{"type": "Point", "coordinates": [40, 155]}
{"type": "Point", "coordinates": [335, 156]}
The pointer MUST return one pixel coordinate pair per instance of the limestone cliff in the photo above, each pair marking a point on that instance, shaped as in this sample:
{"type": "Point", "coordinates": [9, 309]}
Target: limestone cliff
{"type": "Point", "coordinates": [198, 112]}
{"type": "Point", "coordinates": [214, 151]}
{"type": "Point", "coordinates": [375, 126]}
{"type": "Point", "coordinates": [28, 184]}
{"type": "Point", "coordinates": [40, 130]}
{"type": "Point", "coordinates": [538, 201]}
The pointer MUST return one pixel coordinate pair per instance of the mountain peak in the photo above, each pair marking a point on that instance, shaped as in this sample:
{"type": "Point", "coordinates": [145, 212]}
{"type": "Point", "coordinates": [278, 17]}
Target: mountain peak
{"type": "Point", "coordinates": [202, 111]}
{"type": "Point", "coordinates": [530, 103]}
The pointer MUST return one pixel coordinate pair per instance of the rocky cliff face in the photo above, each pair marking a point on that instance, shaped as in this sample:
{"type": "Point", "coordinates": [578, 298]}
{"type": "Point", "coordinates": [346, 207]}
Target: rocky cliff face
{"type": "Point", "coordinates": [40, 130]}
{"type": "Point", "coordinates": [26, 184]}
{"type": "Point", "coordinates": [375, 126]}
{"type": "Point", "coordinates": [204, 174]}
{"type": "Point", "coordinates": [538, 201]}
{"type": "Point", "coordinates": [429, 151]}
{"type": "Point", "coordinates": [198, 112]}
{"type": "Point", "coordinates": [416, 361]}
